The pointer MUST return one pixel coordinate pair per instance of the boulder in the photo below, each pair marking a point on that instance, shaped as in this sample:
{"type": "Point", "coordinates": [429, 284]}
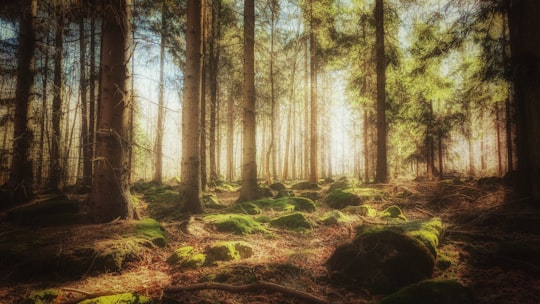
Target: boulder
{"type": "Point", "coordinates": [333, 218]}
{"type": "Point", "coordinates": [291, 221]}
{"type": "Point", "coordinates": [305, 186]}
{"type": "Point", "coordinates": [229, 250]}
{"type": "Point", "coordinates": [339, 199]}
{"type": "Point", "coordinates": [363, 210]}
{"type": "Point", "coordinates": [386, 258]}
{"type": "Point", "coordinates": [235, 223]}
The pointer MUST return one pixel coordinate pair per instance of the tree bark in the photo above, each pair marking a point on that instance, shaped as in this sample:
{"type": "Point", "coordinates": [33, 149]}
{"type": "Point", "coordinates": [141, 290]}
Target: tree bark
{"type": "Point", "coordinates": [83, 83]}
{"type": "Point", "coordinates": [314, 112]}
{"type": "Point", "coordinates": [191, 189]}
{"type": "Point", "coordinates": [214, 52]}
{"type": "Point", "coordinates": [55, 163]}
{"type": "Point", "coordinates": [249, 189]}
{"type": "Point", "coordinates": [381, 174]}
{"type": "Point", "coordinates": [21, 171]}
{"type": "Point", "coordinates": [524, 21]}
{"type": "Point", "coordinates": [158, 161]}
{"type": "Point", "coordinates": [230, 136]}
{"type": "Point", "coordinates": [110, 197]}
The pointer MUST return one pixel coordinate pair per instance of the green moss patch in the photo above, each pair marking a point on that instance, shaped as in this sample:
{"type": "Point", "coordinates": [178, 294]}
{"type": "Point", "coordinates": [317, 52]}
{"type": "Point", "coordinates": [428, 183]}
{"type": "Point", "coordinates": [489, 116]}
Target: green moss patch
{"type": "Point", "coordinates": [282, 204]}
{"type": "Point", "coordinates": [151, 230]}
{"type": "Point", "coordinates": [393, 212]}
{"type": "Point", "coordinates": [339, 199]}
{"type": "Point", "coordinates": [187, 257]}
{"type": "Point", "coordinates": [229, 250]}
{"type": "Point", "coordinates": [333, 218]}
{"type": "Point", "coordinates": [431, 292]}
{"type": "Point", "coordinates": [211, 201]}
{"type": "Point", "coordinates": [124, 298]}
{"type": "Point", "coordinates": [291, 221]}
{"type": "Point", "coordinates": [363, 210]}
{"type": "Point", "coordinates": [305, 186]}
{"type": "Point", "coordinates": [42, 297]}
{"type": "Point", "coordinates": [343, 184]}
{"type": "Point", "coordinates": [235, 223]}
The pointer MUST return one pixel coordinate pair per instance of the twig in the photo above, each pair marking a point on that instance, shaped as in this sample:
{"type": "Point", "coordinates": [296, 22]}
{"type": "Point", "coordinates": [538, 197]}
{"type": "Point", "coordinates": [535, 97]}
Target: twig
{"type": "Point", "coordinates": [249, 287]}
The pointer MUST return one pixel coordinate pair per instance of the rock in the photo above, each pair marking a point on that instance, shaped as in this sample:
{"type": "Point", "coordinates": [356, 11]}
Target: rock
{"type": "Point", "coordinates": [363, 210]}
{"type": "Point", "coordinates": [235, 223]}
{"type": "Point", "coordinates": [229, 250]}
{"type": "Point", "coordinates": [246, 208]}
{"type": "Point", "coordinates": [187, 257]}
{"type": "Point", "coordinates": [120, 298]}
{"type": "Point", "coordinates": [211, 201]}
{"type": "Point", "coordinates": [265, 191]}
{"type": "Point", "coordinates": [291, 221]}
{"type": "Point", "coordinates": [382, 259]}
{"type": "Point", "coordinates": [305, 186]}
{"type": "Point", "coordinates": [303, 204]}
{"type": "Point", "coordinates": [339, 199]}
{"type": "Point", "coordinates": [42, 296]}
{"type": "Point", "coordinates": [284, 193]}
{"type": "Point", "coordinates": [342, 183]}
{"type": "Point", "coordinates": [151, 230]}
{"type": "Point", "coordinates": [332, 218]}
{"type": "Point", "coordinates": [431, 292]}
{"type": "Point", "coordinates": [393, 212]}
{"type": "Point", "coordinates": [277, 186]}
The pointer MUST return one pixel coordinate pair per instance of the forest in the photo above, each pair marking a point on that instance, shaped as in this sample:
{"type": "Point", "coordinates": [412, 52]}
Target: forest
{"type": "Point", "coordinates": [272, 151]}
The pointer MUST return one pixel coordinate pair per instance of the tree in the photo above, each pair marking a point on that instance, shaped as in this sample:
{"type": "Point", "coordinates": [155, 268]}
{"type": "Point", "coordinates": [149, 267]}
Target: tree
{"type": "Point", "coordinates": [313, 132]}
{"type": "Point", "coordinates": [158, 173]}
{"type": "Point", "coordinates": [524, 21]}
{"type": "Point", "coordinates": [381, 173]}
{"type": "Point", "coordinates": [110, 197]}
{"type": "Point", "coordinates": [55, 165]}
{"type": "Point", "coordinates": [249, 189]}
{"type": "Point", "coordinates": [191, 191]}
{"type": "Point", "coordinates": [20, 183]}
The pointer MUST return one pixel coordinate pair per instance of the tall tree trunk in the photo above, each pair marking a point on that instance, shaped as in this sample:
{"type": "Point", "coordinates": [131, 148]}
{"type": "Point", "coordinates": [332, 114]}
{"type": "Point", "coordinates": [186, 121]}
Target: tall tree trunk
{"type": "Point", "coordinates": [204, 20]}
{"type": "Point", "coordinates": [524, 21]}
{"type": "Point", "coordinates": [55, 163]}
{"type": "Point", "coordinates": [230, 136]}
{"type": "Point", "coordinates": [314, 112]}
{"type": "Point", "coordinates": [44, 116]}
{"type": "Point", "coordinates": [249, 189]}
{"type": "Point", "coordinates": [508, 131]}
{"type": "Point", "coordinates": [214, 51]}
{"type": "Point", "coordinates": [306, 112]}
{"type": "Point", "coordinates": [271, 153]}
{"type": "Point", "coordinates": [86, 149]}
{"type": "Point", "coordinates": [365, 128]}
{"type": "Point", "coordinates": [158, 161]}
{"type": "Point", "coordinates": [440, 151]}
{"type": "Point", "coordinates": [191, 190]}
{"type": "Point", "coordinates": [498, 131]}
{"type": "Point", "coordinates": [110, 197]}
{"type": "Point", "coordinates": [21, 171]}
{"type": "Point", "coordinates": [381, 174]}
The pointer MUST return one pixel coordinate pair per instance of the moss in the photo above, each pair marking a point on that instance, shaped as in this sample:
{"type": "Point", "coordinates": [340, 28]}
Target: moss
{"type": "Point", "coordinates": [291, 221]}
{"type": "Point", "coordinates": [431, 292]}
{"type": "Point", "coordinates": [151, 230]}
{"type": "Point", "coordinates": [187, 257]}
{"type": "Point", "coordinates": [341, 184]}
{"type": "Point", "coordinates": [195, 261]}
{"type": "Point", "coordinates": [305, 186]}
{"type": "Point", "coordinates": [332, 218]}
{"type": "Point", "coordinates": [340, 199]}
{"type": "Point", "coordinates": [263, 219]}
{"type": "Point", "coordinates": [277, 186]}
{"type": "Point", "coordinates": [363, 210]}
{"type": "Point", "coordinates": [163, 196]}
{"type": "Point", "coordinates": [235, 223]}
{"type": "Point", "coordinates": [303, 204]}
{"type": "Point", "coordinates": [223, 186]}
{"type": "Point", "coordinates": [444, 261]}
{"type": "Point", "coordinates": [125, 298]}
{"type": "Point", "coordinates": [285, 193]}
{"type": "Point", "coordinates": [42, 297]}
{"type": "Point", "coordinates": [393, 212]}
{"type": "Point", "coordinates": [210, 200]}
{"type": "Point", "coordinates": [246, 207]}
{"type": "Point", "coordinates": [227, 251]}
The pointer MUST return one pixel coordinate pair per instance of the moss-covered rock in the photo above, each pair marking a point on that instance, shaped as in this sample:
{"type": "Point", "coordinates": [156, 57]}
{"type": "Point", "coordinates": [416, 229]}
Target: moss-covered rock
{"type": "Point", "coordinates": [277, 186]}
{"type": "Point", "coordinates": [42, 297]}
{"type": "Point", "coordinates": [124, 298]}
{"type": "Point", "coordinates": [342, 183]}
{"type": "Point", "coordinates": [229, 250]}
{"type": "Point", "coordinates": [363, 210]}
{"type": "Point", "coordinates": [339, 199]}
{"type": "Point", "coordinates": [235, 223]}
{"type": "Point", "coordinates": [151, 230]}
{"type": "Point", "coordinates": [303, 204]}
{"type": "Point", "coordinates": [393, 212]}
{"type": "Point", "coordinates": [431, 292]}
{"type": "Point", "coordinates": [386, 258]}
{"type": "Point", "coordinates": [332, 218]}
{"type": "Point", "coordinates": [51, 212]}
{"type": "Point", "coordinates": [291, 221]}
{"type": "Point", "coordinates": [284, 193]}
{"type": "Point", "coordinates": [246, 208]}
{"type": "Point", "coordinates": [187, 257]}
{"type": "Point", "coordinates": [305, 186]}
{"type": "Point", "coordinates": [224, 186]}
{"type": "Point", "coordinates": [283, 204]}
{"type": "Point", "coordinates": [211, 201]}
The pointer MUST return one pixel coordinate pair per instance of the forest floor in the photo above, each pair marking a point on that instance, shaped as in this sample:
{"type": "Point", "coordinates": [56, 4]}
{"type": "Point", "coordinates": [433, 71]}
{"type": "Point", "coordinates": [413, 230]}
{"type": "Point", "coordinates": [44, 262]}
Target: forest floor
{"type": "Point", "coordinates": [493, 246]}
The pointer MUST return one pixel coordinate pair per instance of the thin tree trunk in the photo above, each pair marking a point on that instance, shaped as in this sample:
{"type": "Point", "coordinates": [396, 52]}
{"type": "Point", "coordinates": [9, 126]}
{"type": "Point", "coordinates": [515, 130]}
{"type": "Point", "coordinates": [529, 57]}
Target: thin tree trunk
{"type": "Point", "coordinates": [499, 146]}
{"type": "Point", "coordinates": [191, 190]}
{"type": "Point", "coordinates": [381, 174]}
{"type": "Point", "coordinates": [440, 151]}
{"type": "Point", "coordinates": [306, 112]}
{"type": "Point", "coordinates": [55, 163]}
{"type": "Point", "coordinates": [204, 178]}
{"type": "Point", "coordinates": [86, 143]}
{"type": "Point", "coordinates": [158, 161]}
{"type": "Point", "coordinates": [249, 189]}
{"type": "Point", "coordinates": [44, 116]}
{"type": "Point", "coordinates": [214, 52]}
{"type": "Point", "coordinates": [21, 170]}
{"type": "Point", "coordinates": [365, 128]}
{"type": "Point", "coordinates": [110, 197]}
{"type": "Point", "coordinates": [314, 112]}
{"type": "Point", "coordinates": [93, 101]}
{"type": "Point", "coordinates": [230, 136]}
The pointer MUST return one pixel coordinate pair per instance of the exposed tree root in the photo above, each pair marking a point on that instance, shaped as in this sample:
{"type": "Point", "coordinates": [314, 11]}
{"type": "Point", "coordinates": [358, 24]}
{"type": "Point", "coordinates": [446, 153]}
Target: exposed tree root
{"type": "Point", "coordinates": [249, 287]}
